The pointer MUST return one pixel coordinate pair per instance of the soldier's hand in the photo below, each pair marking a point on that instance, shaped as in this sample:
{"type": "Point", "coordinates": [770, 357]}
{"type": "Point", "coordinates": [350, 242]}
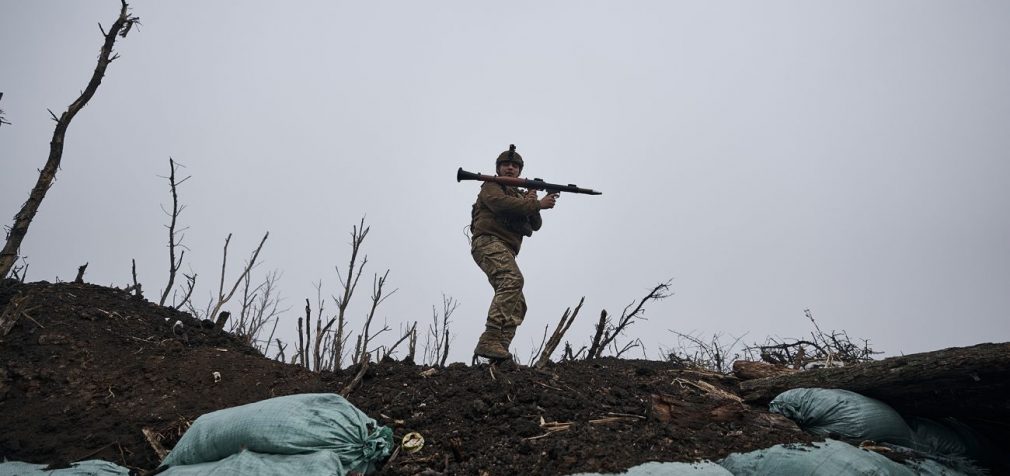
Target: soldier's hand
{"type": "Point", "coordinates": [548, 201]}
{"type": "Point", "coordinates": [531, 193]}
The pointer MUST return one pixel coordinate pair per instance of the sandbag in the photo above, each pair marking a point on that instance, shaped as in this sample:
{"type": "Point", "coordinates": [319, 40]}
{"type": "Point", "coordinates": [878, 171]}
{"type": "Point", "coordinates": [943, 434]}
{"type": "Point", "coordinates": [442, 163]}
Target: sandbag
{"type": "Point", "coordinates": [655, 468]}
{"type": "Point", "coordinates": [294, 424]}
{"type": "Point", "coordinates": [245, 463]}
{"type": "Point", "coordinates": [948, 437]}
{"type": "Point", "coordinates": [928, 467]}
{"type": "Point", "coordinates": [828, 412]}
{"type": "Point", "coordinates": [827, 457]}
{"type": "Point", "coordinates": [94, 467]}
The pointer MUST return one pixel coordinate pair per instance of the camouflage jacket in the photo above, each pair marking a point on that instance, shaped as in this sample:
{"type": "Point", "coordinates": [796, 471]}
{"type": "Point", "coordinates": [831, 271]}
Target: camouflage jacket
{"type": "Point", "coordinates": [504, 212]}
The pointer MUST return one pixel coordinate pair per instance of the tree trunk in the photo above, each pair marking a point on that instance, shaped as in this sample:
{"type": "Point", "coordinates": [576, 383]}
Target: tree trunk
{"type": "Point", "coordinates": [959, 381]}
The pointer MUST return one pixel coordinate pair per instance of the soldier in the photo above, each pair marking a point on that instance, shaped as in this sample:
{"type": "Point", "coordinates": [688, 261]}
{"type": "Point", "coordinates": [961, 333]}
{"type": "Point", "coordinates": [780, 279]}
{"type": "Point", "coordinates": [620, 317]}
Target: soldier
{"type": "Point", "coordinates": [501, 217]}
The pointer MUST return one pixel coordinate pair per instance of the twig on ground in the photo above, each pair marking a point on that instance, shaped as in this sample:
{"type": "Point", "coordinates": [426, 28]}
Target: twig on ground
{"type": "Point", "coordinates": [154, 439]}
{"type": "Point", "coordinates": [357, 378]}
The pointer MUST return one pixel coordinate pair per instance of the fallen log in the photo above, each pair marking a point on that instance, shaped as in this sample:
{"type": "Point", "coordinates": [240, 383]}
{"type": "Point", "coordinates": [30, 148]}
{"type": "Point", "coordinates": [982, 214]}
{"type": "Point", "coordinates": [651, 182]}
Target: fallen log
{"type": "Point", "coordinates": [749, 370]}
{"type": "Point", "coordinates": [959, 381]}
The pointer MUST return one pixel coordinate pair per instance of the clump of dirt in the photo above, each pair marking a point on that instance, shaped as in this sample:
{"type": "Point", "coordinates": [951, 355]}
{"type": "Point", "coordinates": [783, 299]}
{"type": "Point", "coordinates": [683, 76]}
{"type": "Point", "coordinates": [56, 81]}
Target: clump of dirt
{"type": "Point", "coordinates": [85, 369]}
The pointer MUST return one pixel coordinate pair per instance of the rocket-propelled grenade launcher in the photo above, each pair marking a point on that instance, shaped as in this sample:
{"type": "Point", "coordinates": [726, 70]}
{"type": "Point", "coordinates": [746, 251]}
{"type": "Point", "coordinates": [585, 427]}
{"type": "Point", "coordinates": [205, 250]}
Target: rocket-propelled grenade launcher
{"type": "Point", "coordinates": [533, 184]}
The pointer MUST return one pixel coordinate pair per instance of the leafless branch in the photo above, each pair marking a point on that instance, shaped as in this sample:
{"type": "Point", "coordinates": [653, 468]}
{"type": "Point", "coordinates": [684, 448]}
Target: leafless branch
{"type": "Point", "coordinates": [406, 335]}
{"type": "Point", "coordinates": [540, 348]}
{"type": "Point", "coordinates": [222, 297]}
{"type": "Point", "coordinates": [627, 347]}
{"type": "Point", "coordinates": [20, 273]}
{"type": "Point", "coordinates": [186, 298]}
{"type": "Point", "coordinates": [280, 350]}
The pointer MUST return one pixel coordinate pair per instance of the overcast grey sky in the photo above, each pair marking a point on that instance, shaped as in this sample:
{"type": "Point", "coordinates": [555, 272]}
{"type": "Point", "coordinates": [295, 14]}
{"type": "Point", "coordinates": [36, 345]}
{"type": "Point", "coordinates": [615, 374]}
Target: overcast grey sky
{"type": "Point", "coordinates": [846, 157]}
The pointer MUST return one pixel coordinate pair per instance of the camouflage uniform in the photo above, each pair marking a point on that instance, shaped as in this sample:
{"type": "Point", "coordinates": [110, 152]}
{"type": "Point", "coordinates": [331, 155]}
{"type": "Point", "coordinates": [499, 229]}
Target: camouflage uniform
{"type": "Point", "coordinates": [498, 261]}
{"type": "Point", "coordinates": [501, 217]}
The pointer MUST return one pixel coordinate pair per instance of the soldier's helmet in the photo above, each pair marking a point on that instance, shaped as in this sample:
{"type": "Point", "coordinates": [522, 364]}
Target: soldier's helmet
{"type": "Point", "coordinates": [509, 156]}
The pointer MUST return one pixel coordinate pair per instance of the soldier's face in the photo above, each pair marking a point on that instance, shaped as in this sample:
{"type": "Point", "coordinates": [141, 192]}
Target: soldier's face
{"type": "Point", "coordinates": [509, 169]}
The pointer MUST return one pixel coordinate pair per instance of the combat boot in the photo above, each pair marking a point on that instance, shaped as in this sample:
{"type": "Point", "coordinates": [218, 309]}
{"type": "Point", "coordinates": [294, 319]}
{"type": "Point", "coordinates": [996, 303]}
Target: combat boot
{"type": "Point", "coordinates": [507, 333]}
{"type": "Point", "coordinates": [489, 346]}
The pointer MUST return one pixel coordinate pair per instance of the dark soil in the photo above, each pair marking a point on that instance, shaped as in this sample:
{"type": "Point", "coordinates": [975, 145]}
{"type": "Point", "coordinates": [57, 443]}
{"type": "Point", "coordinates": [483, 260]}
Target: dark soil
{"type": "Point", "coordinates": [86, 368]}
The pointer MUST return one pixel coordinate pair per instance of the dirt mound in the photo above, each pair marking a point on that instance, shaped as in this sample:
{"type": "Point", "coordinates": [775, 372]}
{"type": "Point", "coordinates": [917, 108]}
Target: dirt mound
{"type": "Point", "coordinates": [86, 368]}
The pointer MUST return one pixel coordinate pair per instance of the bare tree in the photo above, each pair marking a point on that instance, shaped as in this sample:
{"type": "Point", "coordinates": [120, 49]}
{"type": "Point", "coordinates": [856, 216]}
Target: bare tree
{"type": "Point", "coordinates": [136, 288]}
{"type": "Point", "coordinates": [16, 234]}
{"type": "Point", "coordinates": [349, 284]}
{"type": "Point", "coordinates": [566, 321]}
{"type": "Point", "coordinates": [260, 305]}
{"type": "Point", "coordinates": [377, 297]}
{"type": "Point", "coordinates": [714, 354]}
{"type": "Point", "coordinates": [607, 331]}
{"type": "Point", "coordinates": [222, 298]}
{"type": "Point", "coordinates": [406, 336]}
{"type": "Point", "coordinates": [436, 347]}
{"type": "Point", "coordinates": [173, 240]}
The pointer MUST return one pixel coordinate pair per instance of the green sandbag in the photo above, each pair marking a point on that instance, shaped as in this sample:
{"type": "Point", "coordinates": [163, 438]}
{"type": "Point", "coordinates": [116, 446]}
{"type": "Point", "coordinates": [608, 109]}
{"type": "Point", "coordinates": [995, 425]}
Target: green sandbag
{"type": "Point", "coordinates": [655, 468]}
{"type": "Point", "coordinates": [928, 467]}
{"type": "Point", "coordinates": [293, 424]}
{"type": "Point", "coordinates": [948, 437]}
{"type": "Point", "coordinates": [828, 412]}
{"type": "Point", "coordinates": [827, 457]}
{"type": "Point", "coordinates": [93, 467]}
{"type": "Point", "coordinates": [246, 463]}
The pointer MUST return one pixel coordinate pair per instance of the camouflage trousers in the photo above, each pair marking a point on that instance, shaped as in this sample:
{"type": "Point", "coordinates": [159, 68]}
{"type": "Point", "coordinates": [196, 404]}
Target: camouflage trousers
{"type": "Point", "coordinates": [498, 261]}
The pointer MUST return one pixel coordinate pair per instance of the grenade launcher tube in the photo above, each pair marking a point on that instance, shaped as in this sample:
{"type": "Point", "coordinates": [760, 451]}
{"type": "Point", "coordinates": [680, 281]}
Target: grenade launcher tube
{"type": "Point", "coordinates": [534, 184]}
